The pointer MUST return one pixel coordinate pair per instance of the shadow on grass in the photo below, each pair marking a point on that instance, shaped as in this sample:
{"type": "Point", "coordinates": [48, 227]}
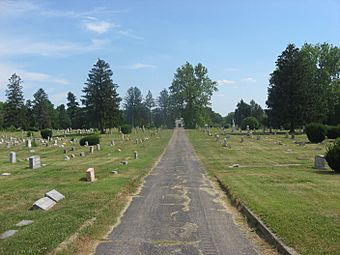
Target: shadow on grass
{"type": "Point", "coordinates": [326, 172]}
{"type": "Point", "coordinates": [83, 179]}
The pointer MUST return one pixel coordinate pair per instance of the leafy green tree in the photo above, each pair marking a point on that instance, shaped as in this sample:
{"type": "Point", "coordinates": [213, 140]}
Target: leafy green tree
{"type": "Point", "coordinates": [14, 111]}
{"type": "Point", "coordinates": [228, 120]}
{"type": "Point", "coordinates": [149, 103]}
{"type": "Point", "coordinates": [64, 120]}
{"type": "Point", "coordinates": [163, 114]}
{"type": "Point", "coordinates": [242, 111]}
{"type": "Point", "coordinates": [100, 97]}
{"type": "Point", "coordinates": [134, 107]}
{"type": "Point", "coordinates": [256, 111]}
{"type": "Point", "coordinates": [73, 110]}
{"type": "Point", "coordinates": [42, 110]}
{"type": "Point", "coordinates": [292, 90]}
{"type": "Point", "coordinates": [30, 120]}
{"type": "Point", "coordinates": [191, 90]}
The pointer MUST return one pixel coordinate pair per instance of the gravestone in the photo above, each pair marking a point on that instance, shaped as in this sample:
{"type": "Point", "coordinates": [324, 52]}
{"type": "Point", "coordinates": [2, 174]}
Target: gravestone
{"type": "Point", "coordinates": [28, 143]}
{"type": "Point", "coordinates": [135, 155]}
{"type": "Point", "coordinates": [225, 144]}
{"type": "Point", "coordinates": [7, 234]}
{"type": "Point", "coordinates": [82, 154]}
{"type": "Point", "coordinates": [73, 156]}
{"type": "Point", "coordinates": [287, 135]}
{"type": "Point", "coordinates": [86, 143]}
{"type": "Point", "coordinates": [54, 195]}
{"type": "Point", "coordinates": [123, 136]}
{"type": "Point", "coordinates": [44, 203]}
{"type": "Point", "coordinates": [90, 175]}
{"type": "Point", "coordinates": [8, 145]}
{"type": "Point", "coordinates": [217, 137]}
{"type": "Point", "coordinates": [258, 138]}
{"type": "Point", "coordinates": [66, 157]}
{"type": "Point", "coordinates": [114, 171]}
{"type": "Point", "coordinates": [98, 147]}
{"type": "Point", "coordinates": [91, 149]}
{"type": "Point", "coordinates": [5, 174]}
{"type": "Point", "coordinates": [65, 151]}
{"type": "Point", "coordinates": [34, 162]}
{"type": "Point", "coordinates": [124, 162]}
{"type": "Point", "coordinates": [242, 140]}
{"type": "Point", "coordinates": [55, 143]}
{"type": "Point", "coordinates": [293, 135]}
{"type": "Point", "coordinates": [12, 157]}
{"type": "Point", "coordinates": [112, 142]}
{"type": "Point", "coordinates": [24, 223]}
{"type": "Point", "coordinates": [319, 162]}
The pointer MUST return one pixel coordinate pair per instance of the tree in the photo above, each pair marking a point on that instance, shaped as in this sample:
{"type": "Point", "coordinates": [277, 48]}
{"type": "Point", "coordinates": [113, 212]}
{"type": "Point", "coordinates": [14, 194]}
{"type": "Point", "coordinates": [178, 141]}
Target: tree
{"type": "Point", "coordinates": [100, 97]}
{"type": "Point", "coordinates": [134, 107]}
{"type": "Point", "coordinates": [163, 114]}
{"type": "Point", "coordinates": [149, 105]}
{"type": "Point", "coordinates": [29, 114]}
{"type": "Point", "coordinates": [73, 110]}
{"type": "Point", "coordinates": [256, 111]}
{"type": "Point", "coordinates": [228, 120]}
{"type": "Point", "coordinates": [14, 112]}
{"type": "Point", "coordinates": [63, 118]}
{"type": "Point", "coordinates": [42, 109]}
{"type": "Point", "coordinates": [2, 105]}
{"type": "Point", "coordinates": [192, 89]}
{"type": "Point", "coordinates": [292, 89]}
{"type": "Point", "coordinates": [242, 111]}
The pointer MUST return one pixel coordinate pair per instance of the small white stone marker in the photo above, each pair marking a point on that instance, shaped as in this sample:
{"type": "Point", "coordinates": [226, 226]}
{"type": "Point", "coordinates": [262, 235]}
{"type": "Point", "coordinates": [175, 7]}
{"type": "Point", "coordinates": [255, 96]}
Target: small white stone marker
{"type": "Point", "coordinates": [225, 142]}
{"type": "Point", "coordinates": [135, 155]}
{"type": "Point", "coordinates": [29, 143]}
{"type": "Point", "coordinates": [73, 156]}
{"type": "Point", "coordinates": [98, 147]}
{"type": "Point", "coordinates": [90, 175]}
{"type": "Point", "coordinates": [319, 162]}
{"type": "Point", "coordinates": [24, 223]}
{"type": "Point", "coordinates": [5, 174]}
{"type": "Point", "coordinates": [54, 195]}
{"type": "Point", "coordinates": [8, 233]}
{"type": "Point", "coordinates": [112, 142]}
{"type": "Point", "coordinates": [12, 157]}
{"type": "Point", "coordinates": [66, 157]}
{"type": "Point", "coordinates": [34, 162]}
{"type": "Point", "coordinates": [82, 154]}
{"type": "Point", "coordinates": [91, 149]}
{"type": "Point", "coordinates": [86, 143]}
{"type": "Point", "coordinates": [114, 171]}
{"type": "Point", "coordinates": [44, 203]}
{"type": "Point", "coordinates": [125, 162]}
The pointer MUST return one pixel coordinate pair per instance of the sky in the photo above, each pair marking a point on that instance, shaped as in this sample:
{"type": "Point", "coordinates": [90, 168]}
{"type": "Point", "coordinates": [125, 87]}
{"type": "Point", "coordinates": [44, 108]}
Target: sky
{"type": "Point", "coordinates": [52, 44]}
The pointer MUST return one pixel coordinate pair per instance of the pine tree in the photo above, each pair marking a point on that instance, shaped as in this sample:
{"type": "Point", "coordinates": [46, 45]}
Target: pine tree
{"type": "Point", "coordinates": [14, 113]}
{"type": "Point", "coordinates": [134, 107]}
{"type": "Point", "coordinates": [73, 110]}
{"type": "Point", "coordinates": [149, 105]}
{"type": "Point", "coordinates": [42, 110]}
{"type": "Point", "coordinates": [63, 118]}
{"type": "Point", "coordinates": [100, 97]}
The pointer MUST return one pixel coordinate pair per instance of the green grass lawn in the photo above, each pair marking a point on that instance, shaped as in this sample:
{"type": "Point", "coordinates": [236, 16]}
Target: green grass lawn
{"type": "Point", "coordinates": [277, 181]}
{"type": "Point", "coordinates": [99, 203]}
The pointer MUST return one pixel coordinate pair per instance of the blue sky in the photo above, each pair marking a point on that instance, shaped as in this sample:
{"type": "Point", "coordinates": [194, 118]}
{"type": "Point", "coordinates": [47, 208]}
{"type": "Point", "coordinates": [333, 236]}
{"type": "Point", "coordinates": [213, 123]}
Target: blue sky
{"type": "Point", "coordinates": [53, 44]}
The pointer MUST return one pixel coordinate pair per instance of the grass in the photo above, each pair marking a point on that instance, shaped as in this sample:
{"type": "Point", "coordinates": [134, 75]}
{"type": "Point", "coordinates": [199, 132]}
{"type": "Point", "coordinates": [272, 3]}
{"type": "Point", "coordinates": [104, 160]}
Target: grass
{"type": "Point", "coordinates": [277, 181]}
{"type": "Point", "coordinates": [97, 205]}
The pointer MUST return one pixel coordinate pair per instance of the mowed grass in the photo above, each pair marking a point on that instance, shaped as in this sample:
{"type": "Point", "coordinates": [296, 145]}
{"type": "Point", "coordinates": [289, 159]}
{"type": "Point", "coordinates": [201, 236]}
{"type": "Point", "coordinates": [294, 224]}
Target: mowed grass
{"type": "Point", "coordinates": [95, 206]}
{"type": "Point", "coordinates": [278, 183]}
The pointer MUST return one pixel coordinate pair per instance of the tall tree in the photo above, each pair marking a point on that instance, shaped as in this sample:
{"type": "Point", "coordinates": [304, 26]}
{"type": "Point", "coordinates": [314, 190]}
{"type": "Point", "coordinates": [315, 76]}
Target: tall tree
{"type": "Point", "coordinates": [14, 112]}
{"type": "Point", "coordinates": [63, 118]}
{"type": "Point", "coordinates": [192, 90]}
{"type": "Point", "coordinates": [100, 97]}
{"type": "Point", "coordinates": [2, 105]}
{"type": "Point", "coordinates": [292, 89]}
{"type": "Point", "coordinates": [163, 114]}
{"type": "Point", "coordinates": [73, 110]}
{"type": "Point", "coordinates": [242, 111]}
{"type": "Point", "coordinates": [149, 103]}
{"type": "Point", "coordinates": [42, 109]}
{"type": "Point", "coordinates": [134, 107]}
{"type": "Point", "coordinates": [256, 111]}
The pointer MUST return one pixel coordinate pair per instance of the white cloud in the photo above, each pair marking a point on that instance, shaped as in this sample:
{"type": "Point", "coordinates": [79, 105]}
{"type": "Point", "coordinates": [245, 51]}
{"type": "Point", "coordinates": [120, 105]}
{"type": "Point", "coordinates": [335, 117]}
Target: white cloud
{"type": "Point", "coordinates": [249, 79]}
{"type": "Point", "coordinates": [225, 82]}
{"type": "Point", "coordinates": [10, 47]}
{"type": "Point", "coordinates": [130, 34]}
{"type": "Point", "coordinates": [99, 27]}
{"type": "Point", "coordinates": [141, 66]}
{"type": "Point", "coordinates": [8, 7]}
{"type": "Point", "coordinates": [58, 98]}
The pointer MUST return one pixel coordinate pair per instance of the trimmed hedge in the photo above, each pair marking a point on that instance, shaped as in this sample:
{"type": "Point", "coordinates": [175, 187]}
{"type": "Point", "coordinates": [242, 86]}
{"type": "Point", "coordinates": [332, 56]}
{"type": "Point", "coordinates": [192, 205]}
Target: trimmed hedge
{"type": "Point", "coordinates": [333, 156]}
{"type": "Point", "coordinates": [126, 129]}
{"type": "Point", "coordinates": [333, 132]}
{"type": "Point", "coordinates": [316, 132]}
{"type": "Point", "coordinates": [45, 133]}
{"type": "Point", "coordinates": [91, 139]}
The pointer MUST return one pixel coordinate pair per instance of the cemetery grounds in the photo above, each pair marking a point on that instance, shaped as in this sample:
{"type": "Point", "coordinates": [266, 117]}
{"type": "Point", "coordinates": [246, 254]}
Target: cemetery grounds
{"type": "Point", "coordinates": [276, 179]}
{"type": "Point", "coordinates": [89, 209]}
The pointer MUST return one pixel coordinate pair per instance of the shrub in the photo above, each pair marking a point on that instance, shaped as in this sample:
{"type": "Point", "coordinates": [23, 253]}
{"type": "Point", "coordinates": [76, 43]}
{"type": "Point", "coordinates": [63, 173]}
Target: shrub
{"type": "Point", "coordinates": [91, 139]}
{"type": "Point", "coordinates": [29, 133]}
{"type": "Point", "coordinates": [45, 133]}
{"type": "Point", "coordinates": [333, 132]}
{"type": "Point", "coordinates": [251, 122]}
{"type": "Point", "coordinates": [316, 132]}
{"type": "Point", "coordinates": [126, 129]}
{"type": "Point", "coordinates": [333, 156]}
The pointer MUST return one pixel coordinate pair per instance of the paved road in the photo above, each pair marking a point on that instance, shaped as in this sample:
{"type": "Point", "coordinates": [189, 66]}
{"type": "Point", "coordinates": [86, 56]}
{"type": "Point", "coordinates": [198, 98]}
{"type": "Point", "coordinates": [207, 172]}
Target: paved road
{"type": "Point", "coordinates": [177, 212]}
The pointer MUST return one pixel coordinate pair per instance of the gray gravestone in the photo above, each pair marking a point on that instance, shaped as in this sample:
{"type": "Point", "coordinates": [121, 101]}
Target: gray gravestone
{"type": "Point", "coordinates": [24, 223]}
{"type": "Point", "coordinates": [98, 147]}
{"type": "Point", "coordinates": [44, 203]}
{"type": "Point", "coordinates": [12, 157]}
{"type": "Point", "coordinates": [225, 143]}
{"type": "Point", "coordinates": [34, 162]}
{"type": "Point", "coordinates": [135, 154]}
{"type": "Point", "coordinates": [319, 162]}
{"type": "Point", "coordinates": [86, 143]}
{"type": "Point", "coordinates": [55, 195]}
{"type": "Point", "coordinates": [66, 157]}
{"type": "Point", "coordinates": [82, 154]}
{"type": "Point", "coordinates": [91, 149]}
{"type": "Point", "coordinates": [8, 233]}
{"type": "Point", "coordinates": [90, 175]}
{"type": "Point", "coordinates": [29, 143]}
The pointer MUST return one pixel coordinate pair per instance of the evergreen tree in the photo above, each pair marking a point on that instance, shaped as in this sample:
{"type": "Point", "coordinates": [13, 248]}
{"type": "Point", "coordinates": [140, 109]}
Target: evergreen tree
{"type": "Point", "coordinates": [14, 112]}
{"type": "Point", "coordinates": [73, 110]}
{"type": "Point", "coordinates": [100, 97]}
{"type": "Point", "coordinates": [242, 111]}
{"type": "Point", "coordinates": [30, 120]}
{"type": "Point", "coordinates": [163, 115]}
{"type": "Point", "coordinates": [2, 106]}
{"type": "Point", "coordinates": [63, 118]}
{"type": "Point", "coordinates": [149, 105]}
{"type": "Point", "coordinates": [134, 107]}
{"type": "Point", "coordinates": [42, 110]}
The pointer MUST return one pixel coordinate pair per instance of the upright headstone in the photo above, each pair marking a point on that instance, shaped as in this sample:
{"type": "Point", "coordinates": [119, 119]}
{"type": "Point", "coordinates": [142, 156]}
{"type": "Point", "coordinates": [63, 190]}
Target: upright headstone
{"type": "Point", "coordinates": [98, 147]}
{"type": "Point", "coordinates": [135, 155]}
{"type": "Point", "coordinates": [319, 162]}
{"type": "Point", "coordinates": [12, 157]}
{"type": "Point", "coordinates": [112, 142]}
{"type": "Point", "coordinates": [28, 143]}
{"type": "Point", "coordinates": [225, 143]}
{"type": "Point", "coordinates": [34, 162]}
{"type": "Point", "coordinates": [90, 175]}
{"type": "Point", "coordinates": [123, 136]}
{"type": "Point", "coordinates": [91, 149]}
{"type": "Point", "coordinates": [86, 143]}
{"type": "Point", "coordinates": [8, 145]}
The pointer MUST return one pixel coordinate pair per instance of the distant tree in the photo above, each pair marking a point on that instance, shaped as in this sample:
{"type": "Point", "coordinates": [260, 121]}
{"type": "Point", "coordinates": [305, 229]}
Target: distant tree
{"type": "Point", "coordinates": [242, 111]}
{"type": "Point", "coordinates": [73, 110]}
{"type": "Point", "coordinates": [134, 107]}
{"type": "Point", "coordinates": [256, 111]}
{"type": "Point", "coordinates": [213, 118]}
{"type": "Point", "coordinates": [43, 110]}
{"type": "Point", "coordinates": [63, 118]}
{"type": "Point", "coordinates": [30, 120]}
{"type": "Point", "coordinates": [149, 103]}
{"type": "Point", "coordinates": [100, 97]}
{"type": "Point", "coordinates": [228, 120]}
{"type": "Point", "coordinates": [14, 111]}
{"type": "Point", "coordinates": [2, 106]}
{"type": "Point", "coordinates": [163, 114]}
{"type": "Point", "coordinates": [192, 89]}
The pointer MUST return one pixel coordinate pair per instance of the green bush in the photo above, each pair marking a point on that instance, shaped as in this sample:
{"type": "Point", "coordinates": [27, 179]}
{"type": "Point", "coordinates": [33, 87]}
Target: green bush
{"type": "Point", "coordinates": [316, 132]}
{"type": "Point", "coordinates": [126, 129]}
{"type": "Point", "coordinates": [333, 156]}
{"type": "Point", "coordinates": [45, 133]}
{"type": "Point", "coordinates": [252, 122]}
{"type": "Point", "coordinates": [333, 132]}
{"type": "Point", "coordinates": [29, 133]}
{"type": "Point", "coordinates": [91, 139]}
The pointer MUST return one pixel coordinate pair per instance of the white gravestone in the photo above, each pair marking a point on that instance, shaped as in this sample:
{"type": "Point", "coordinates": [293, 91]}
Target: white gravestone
{"type": "Point", "coordinates": [98, 147]}
{"type": "Point", "coordinates": [29, 143]}
{"type": "Point", "coordinates": [135, 154]}
{"type": "Point", "coordinates": [91, 149]}
{"type": "Point", "coordinates": [55, 195]}
{"type": "Point", "coordinates": [44, 203]}
{"type": "Point", "coordinates": [12, 157]}
{"type": "Point", "coordinates": [319, 162]}
{"type": "Point", "coordinates": [225, 143]}
{"type": "Point", "coordinates": [34, 162]}
{"type": "Point", "coordinates": [90, 175]}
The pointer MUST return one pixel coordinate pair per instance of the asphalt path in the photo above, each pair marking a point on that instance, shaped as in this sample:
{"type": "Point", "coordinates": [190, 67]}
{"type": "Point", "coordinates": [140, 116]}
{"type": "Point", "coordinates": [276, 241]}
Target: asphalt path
{"type": "Point", "coordinates": [178, 211]}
